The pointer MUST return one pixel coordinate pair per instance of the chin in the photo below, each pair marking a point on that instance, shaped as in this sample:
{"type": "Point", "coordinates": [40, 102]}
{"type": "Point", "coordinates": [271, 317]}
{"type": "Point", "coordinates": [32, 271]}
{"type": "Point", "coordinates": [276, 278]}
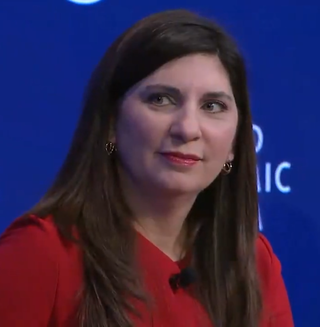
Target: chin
{"type": "Point", "coordinates": [179, 187]}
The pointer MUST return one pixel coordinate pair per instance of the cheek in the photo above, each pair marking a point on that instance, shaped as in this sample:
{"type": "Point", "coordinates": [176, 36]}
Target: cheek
{"type": "Point", "coordinates": [220, 142]}
{"type": "Point", "coordinates": [133, 130]}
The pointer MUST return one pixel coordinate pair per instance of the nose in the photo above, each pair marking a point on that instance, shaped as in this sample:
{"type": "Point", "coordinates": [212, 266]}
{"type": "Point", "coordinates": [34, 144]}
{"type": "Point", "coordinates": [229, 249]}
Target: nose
{"type": "Point", "coordinates": [186, 125]}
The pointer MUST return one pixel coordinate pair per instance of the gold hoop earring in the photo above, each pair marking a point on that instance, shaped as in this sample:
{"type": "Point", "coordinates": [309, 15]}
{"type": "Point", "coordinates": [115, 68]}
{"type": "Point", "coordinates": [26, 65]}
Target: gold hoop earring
{"type": "Point", "coordinates": [110, 148]}
{"type": "Point", "coordinates": [227, 167]}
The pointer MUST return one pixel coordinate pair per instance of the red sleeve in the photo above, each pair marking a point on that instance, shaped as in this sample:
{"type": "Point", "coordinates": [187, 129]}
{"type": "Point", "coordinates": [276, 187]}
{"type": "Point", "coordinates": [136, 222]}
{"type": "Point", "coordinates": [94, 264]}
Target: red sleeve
{"type": "Point", "coordinates": [275, 294]}
{"type": "Point", "coordinates": [28, 275]}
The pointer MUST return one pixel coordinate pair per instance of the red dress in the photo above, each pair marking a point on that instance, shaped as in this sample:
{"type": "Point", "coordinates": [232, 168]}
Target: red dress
{"type": "Point", "coordinates": [41, 274]}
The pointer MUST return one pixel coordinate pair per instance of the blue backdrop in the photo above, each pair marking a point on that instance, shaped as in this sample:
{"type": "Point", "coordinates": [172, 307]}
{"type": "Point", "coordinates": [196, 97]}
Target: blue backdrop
{"type": "Point", "coordinates": [48, 49]}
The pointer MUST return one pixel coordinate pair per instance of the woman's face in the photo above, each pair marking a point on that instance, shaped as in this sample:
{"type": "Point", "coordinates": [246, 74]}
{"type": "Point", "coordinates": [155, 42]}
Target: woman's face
{"type": "Point", "coordinates": [176, 127]}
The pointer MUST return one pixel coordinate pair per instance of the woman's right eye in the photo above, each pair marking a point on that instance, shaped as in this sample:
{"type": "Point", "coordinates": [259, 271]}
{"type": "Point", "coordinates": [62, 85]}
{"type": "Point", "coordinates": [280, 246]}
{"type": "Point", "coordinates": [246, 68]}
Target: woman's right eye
{"type": "Point", "coordinates": [159, 100]}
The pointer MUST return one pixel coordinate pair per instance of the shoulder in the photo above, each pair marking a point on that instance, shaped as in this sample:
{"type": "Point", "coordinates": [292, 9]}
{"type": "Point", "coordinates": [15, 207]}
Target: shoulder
{"type": "Point", "coordinates": [30, 235]}
{"type": "Point", "coordinates": [37, 267]}
{"type": "Point", "coordinates": [32, 239]}
{"type": "Point", "coordinates": [264, 250]}
{"type": "Point", "coordinates": [275, 298]}
{"type": "Point", "coordinates": [267, 261]}
{"type": "Point", "coordinates": [265, 254]}
{"type": "Point", "coordinates": [35, 235]}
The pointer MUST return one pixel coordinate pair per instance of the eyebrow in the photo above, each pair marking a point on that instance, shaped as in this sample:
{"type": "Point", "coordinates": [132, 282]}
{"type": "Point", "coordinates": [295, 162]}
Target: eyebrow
{"type": "Point", "coordinates": [175, 91]}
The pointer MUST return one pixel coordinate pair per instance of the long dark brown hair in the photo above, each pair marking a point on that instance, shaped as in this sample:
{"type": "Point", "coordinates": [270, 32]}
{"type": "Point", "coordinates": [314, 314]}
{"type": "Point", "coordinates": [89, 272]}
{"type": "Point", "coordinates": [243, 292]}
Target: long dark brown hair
{"type": "Point", "coordinates": [86, 194]}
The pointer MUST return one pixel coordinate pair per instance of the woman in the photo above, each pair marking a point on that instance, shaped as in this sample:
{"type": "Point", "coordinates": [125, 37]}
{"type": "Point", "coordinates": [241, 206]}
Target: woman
{"type": "Point", "coordinates": [152, 220]}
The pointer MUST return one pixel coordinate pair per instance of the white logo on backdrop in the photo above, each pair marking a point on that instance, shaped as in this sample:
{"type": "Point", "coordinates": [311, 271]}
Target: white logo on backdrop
{"type": "Point", "coordinates": [84, 2]}
{"type": "Point", "coordinates": [270, 174]}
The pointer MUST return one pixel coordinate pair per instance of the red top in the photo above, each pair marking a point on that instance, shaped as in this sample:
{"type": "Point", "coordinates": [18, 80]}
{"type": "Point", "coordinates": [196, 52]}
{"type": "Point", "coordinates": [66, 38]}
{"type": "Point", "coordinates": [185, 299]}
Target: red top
{"type": "Point", "coordinates": [40, 277]}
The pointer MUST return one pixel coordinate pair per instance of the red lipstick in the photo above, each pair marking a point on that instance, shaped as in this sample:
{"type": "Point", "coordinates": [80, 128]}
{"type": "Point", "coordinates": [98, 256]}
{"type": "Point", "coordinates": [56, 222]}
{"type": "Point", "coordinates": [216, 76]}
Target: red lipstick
{"type": "Point", "coordinates": [185, 159]}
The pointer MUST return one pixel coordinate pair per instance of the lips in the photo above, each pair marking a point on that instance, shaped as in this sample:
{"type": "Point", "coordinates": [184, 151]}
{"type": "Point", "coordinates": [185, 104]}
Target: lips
{"type": "Point", "coordinates": [182, 156]}
{"type": "Point", "coordinates": [181, 159]}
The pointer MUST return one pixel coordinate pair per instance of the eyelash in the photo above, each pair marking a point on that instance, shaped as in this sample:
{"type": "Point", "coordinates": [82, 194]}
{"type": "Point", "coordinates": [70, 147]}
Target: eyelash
{"type": "Point", "coordinates": [152, 97]}
{"type": "Point", "coordinates": [220, 103]}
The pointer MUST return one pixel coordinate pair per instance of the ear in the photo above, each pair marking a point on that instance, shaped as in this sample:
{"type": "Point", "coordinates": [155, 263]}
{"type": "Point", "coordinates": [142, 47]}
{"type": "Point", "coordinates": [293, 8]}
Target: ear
{"type": "Point", "coordinates": [112, 138]}
{"type": "Point", "coordinates": [112, 133]}
{"type": "Point", "coordinates": [230, 156]}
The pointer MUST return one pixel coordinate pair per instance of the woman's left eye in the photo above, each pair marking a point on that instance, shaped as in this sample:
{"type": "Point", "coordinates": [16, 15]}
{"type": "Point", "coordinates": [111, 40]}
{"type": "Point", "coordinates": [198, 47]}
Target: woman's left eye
{"type": "Point", "coordinates": [214, 106]}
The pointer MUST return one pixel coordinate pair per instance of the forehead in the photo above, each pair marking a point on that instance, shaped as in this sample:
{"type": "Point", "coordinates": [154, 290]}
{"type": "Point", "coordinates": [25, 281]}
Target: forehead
{"type": "Point", "coordinates": [199, 72]}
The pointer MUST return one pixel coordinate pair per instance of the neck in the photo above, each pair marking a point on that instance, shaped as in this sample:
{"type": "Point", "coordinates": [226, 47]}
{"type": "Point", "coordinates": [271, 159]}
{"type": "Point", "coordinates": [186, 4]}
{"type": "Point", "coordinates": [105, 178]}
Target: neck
{"type": "Point", "coordinates": [160, 218]}
{"type": "Point", "coordinates": [164, 227]}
